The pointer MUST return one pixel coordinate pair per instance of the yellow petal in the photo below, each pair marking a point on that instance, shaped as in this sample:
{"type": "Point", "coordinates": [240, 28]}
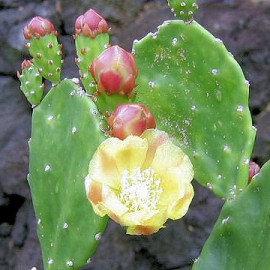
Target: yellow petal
{"type": "Point", "coordinates": [167, 155]}
{"type": "Point", "coordinates": [111, 203]}
{"type": "Point", "coordinates": [102, 167]}
{"type": "Point", "coordinates": [174, 185]}
{"type": "Point", "coordinates": [181, 206]}
{"type": "Point", "coordinates": [142, 230]}
{"type": "Point", "coordinates": [131, 153]}
{"type": "Point", "coordinates": [155, 138]}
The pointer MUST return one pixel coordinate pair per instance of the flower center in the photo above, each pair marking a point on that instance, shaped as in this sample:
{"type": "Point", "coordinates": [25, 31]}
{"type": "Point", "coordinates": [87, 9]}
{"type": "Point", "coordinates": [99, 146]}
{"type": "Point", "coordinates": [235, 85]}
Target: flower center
{"type": "Point", "coordinates": [140, 189]}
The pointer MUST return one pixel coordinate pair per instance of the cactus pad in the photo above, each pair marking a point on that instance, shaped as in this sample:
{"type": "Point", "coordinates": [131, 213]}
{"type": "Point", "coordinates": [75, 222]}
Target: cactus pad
{"type": "Point", "coordinates": [184, 9]}
{"type": "Point", "coordinates": [31, 84]}
{"type": "Point", "coordinates": [199, 95]}
{"type": "Point", "coordinates": [240, 239]}
{"type": "Point", "coordinates": [87, 50]}
{"type": "Point", "coordinates": [62, 144]}
{"type": "Point", "coordinates": [47, 54]}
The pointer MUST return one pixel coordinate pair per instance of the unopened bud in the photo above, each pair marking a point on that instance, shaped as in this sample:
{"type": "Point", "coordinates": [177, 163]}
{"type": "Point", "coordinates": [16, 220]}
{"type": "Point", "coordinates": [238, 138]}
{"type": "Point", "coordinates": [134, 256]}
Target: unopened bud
{"type": "Point", "coordinates": [131, 119]}
{"type": "Point", "coordinates": [27, 64]}
{"type": "Point", "coordinates": [254, 169]}
{"type": "Point", "coordinates": [115, 71]}
{"type": "Point", "coordinates": [38, 27]}
{"type": "Point", "coordinates": [91, 24]}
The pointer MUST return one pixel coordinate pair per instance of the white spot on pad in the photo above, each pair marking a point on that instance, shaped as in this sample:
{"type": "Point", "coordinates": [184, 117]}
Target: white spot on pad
{"type": "Point", "coordinates": [47, 168]}
{"type": "Point", "coordinates": [98, 236]}
{"type": "Point", "coordinates": [70, 263]}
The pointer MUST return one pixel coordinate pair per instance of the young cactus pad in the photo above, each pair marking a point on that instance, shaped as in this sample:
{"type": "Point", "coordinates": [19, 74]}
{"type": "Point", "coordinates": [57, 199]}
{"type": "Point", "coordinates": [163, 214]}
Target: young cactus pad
{"type": "Point", "coordinates": [199, 95]}
{"type": "Point", "coordinates": [87, 50]}
{"type": "Point", "coordinates": [62, 144]}
{"type": "Point", "coordinates": [184, 9]}
{"type": "Point", "coordinates": [31, 83]}
{"type": "Point", "coordinates": [47, 54]}
{"type": "Point", "coordinates": [240, 239]}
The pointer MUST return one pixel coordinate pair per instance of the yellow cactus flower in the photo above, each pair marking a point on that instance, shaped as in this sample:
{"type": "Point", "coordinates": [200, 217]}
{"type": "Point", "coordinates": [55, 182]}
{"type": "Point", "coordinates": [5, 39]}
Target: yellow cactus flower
{"type": "Point", "coordinates": [140, 182]}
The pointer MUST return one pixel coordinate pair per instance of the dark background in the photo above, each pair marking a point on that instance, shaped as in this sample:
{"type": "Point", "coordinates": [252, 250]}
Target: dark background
{"type": "Point", "coordinates": [244, 26]}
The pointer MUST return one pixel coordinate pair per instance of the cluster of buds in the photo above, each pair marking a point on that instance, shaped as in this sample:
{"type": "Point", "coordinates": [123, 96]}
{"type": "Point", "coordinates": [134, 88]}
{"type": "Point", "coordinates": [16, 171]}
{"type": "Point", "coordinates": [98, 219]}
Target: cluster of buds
{"type": "Point", "coordinates": [39, 27]}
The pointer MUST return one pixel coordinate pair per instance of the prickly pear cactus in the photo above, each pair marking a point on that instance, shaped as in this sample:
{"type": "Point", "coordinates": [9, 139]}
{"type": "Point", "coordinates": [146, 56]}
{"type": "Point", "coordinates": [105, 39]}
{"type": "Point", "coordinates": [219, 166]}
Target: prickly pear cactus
{"type": "Point", "coordinates": [198, 93]}
{"type": "Point", "coordinates": [66, 130]}
{"type": "Point", "coordinates": [240, 239]}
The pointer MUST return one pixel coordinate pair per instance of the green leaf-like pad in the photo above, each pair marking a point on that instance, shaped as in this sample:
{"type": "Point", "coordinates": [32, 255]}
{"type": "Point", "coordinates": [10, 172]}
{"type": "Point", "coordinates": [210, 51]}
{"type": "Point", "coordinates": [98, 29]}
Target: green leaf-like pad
{"type": "Point", "coordinates": [65, 135]}
{"type": "Point", "coordinates": [199, 95]}
{"type": "Point", "coordinates": [184, 9]}
{"type": "Point", "coordinates": [241, 239]}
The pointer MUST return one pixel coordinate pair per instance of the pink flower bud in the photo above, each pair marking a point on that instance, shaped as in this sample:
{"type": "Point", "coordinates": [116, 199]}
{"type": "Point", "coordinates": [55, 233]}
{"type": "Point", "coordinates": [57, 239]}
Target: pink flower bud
{"type": "Point", "coordinates": [254, 169]}
{"type": "Point", "coordinates": [115, 71]}
{"type": "Point", "coordinates": [131, 119]}
{"type": "Point", "coordinates": [38, 27]}
{"type": "Point", "coordinates": [91, 24]}
{"type": "Point", "coordinates": [27, 64]}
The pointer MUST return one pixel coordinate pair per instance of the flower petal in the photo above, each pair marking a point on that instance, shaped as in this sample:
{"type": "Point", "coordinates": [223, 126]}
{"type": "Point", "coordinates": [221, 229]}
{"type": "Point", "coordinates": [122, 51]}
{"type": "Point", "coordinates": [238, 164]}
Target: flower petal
{"type": "Point", "coordinates": [175, 184]}
{"type": "Point", "coordinates": [102, 167]}
{"type": "Point", "coordinates": [167, 155]}
{"type": "Point", "coordinates": [155, 139]}
{"type": "Point", "coordinates": [181, 206]}
{"type": "Point", "coordinates": [142, 230]}
{"type": "Point", "coordinates": [131, 153]}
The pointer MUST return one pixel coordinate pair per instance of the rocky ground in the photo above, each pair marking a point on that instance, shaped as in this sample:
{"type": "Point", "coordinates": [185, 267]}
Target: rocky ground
{"type": "Point", "coordinates": [244, 26]}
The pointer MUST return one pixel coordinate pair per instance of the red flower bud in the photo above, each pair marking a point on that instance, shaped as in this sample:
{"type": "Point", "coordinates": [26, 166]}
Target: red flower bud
{"type": "Point", "coordinates": [131, 119]}
{"type": "Point", "coordinates": [254, 169]}
{"type": "Point", "coordinates": [27, 64]}
{"type": "Point", "coordinates": [115, 71]}
{"type": "Point", "coordinates": [91, 24]}
{"type": "Point", "coordinates": [38, 27]}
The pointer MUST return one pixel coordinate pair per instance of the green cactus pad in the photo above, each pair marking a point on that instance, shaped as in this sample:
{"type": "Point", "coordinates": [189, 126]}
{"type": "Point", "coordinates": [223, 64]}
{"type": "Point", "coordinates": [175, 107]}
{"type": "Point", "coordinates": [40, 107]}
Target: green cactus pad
{"type": "Point", "coordinates": [87, 50]}
{"type": "Point", "coordinates": [184, 9]}
{"type": "Point", "coordinates": [47, 55]}
{"type": "Point", "coordinates": [31, 85]}
{"type": "Point", "coordinates": [241, 239]}
{"type": "Point", "coordinates": [199, 95]}
{"type": "Point", "coordinates": [63, 142]}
